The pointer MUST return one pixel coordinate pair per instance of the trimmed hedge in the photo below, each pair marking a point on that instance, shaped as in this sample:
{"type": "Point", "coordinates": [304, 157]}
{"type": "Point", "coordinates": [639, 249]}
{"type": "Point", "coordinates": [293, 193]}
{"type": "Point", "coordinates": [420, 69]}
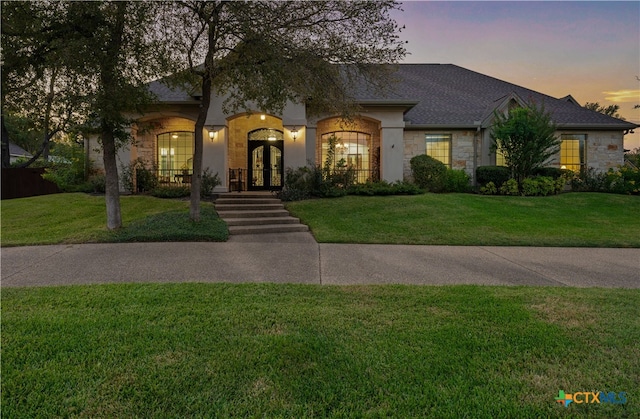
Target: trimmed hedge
{"type": "Point", "coordinates": [429, 173]}
{"type": "Point", "coordinates": [496, 174]}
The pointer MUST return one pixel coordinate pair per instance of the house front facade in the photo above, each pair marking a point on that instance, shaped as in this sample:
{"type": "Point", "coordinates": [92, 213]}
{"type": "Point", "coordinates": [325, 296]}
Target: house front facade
{"type": "Point", "coordinates": [444, 111]}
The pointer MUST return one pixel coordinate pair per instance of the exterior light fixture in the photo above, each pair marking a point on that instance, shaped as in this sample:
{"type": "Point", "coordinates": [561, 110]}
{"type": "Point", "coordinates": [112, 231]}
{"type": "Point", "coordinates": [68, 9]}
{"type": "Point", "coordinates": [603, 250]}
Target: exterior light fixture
{"type": "Point", "coordinates": [294, 133]}
{"type": "Point", "coordinates": [263, 117]}
{"type": "Point", "coordinates": [212, 135]}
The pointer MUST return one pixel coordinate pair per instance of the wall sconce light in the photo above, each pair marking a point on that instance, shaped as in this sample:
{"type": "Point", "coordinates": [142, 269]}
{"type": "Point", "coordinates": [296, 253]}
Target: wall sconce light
{"type": "Point", "coordinates": [212, 135]}
{"type": "Point", "coordinates": [294, 134]}
{"type": "Point", "coordinates": [263, 117]}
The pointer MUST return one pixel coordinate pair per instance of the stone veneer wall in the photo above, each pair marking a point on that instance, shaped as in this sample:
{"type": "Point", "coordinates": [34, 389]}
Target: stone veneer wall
{"type": "Point", "coordinates": [605, 149]}
{"type": "Point", "coordinates": [461, 149]}
{"type": "Point", "coordinates": [367, 126]}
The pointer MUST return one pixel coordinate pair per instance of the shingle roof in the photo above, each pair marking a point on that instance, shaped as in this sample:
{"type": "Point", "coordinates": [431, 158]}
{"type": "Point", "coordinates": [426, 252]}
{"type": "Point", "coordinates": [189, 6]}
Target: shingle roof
{"type": "Point", "coordinates": [446, 95]}
{"type": "Point", "coordinates": [449, 95]}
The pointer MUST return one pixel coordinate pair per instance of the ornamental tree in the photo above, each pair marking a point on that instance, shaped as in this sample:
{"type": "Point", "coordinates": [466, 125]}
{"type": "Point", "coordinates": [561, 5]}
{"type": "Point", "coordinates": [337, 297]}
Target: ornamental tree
{"type": "Point", "coordinates": [526, 137]}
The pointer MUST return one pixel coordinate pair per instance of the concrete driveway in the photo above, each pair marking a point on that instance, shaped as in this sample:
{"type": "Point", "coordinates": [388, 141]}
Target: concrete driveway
{"type": "Point", "coordinates": [297, 258]}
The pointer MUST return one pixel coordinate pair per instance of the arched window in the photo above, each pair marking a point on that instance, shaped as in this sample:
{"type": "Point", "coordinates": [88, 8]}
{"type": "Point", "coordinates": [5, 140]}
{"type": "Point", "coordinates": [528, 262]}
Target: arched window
{"type": "Point", "coordinates": [175, 157]}
{"type": "Point", "coordinates": [352, 149]}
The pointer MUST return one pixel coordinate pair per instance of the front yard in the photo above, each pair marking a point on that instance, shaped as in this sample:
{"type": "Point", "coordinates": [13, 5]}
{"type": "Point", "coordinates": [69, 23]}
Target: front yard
{"type": "Point", "coordinates": [571, 219]}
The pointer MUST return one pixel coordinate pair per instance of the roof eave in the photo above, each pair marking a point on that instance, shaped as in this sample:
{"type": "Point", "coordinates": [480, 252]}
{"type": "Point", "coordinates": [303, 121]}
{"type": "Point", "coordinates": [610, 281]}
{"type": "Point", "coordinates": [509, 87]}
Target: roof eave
{"type": "Point", "coordinates": [599, 127]}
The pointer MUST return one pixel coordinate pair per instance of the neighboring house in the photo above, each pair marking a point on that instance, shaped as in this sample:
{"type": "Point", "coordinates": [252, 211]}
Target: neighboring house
{"type": "Point", "coordinates": [442, 110]}
{"type": "Point", "coordinates": [17, 153]}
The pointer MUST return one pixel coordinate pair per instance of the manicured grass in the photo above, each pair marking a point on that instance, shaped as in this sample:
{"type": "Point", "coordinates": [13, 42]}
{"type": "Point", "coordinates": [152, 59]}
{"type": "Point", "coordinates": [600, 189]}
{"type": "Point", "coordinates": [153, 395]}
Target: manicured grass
{"type": "Point", "coordinates": [572, 219]}
{"type": "Point", "coordinates": [81, 218]}
{"type": "Point", "coordinates": [265, 350]}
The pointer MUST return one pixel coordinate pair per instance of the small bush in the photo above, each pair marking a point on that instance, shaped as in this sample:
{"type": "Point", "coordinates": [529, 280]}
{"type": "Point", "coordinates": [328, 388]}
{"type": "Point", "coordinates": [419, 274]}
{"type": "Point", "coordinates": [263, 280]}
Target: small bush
{"type": "Point", "coordinates": [510, 187]}
{"type": "Point", "coordinates": [429, 173]}
{"type": "Point", "coordinates": [208, 183]}
{"type": "Point", "coordinates": [171, 192]}
{"type": "Point", "coordinates": [496, 174]}
{"type": "Point", "coordinates": [589, 180]}
{"type": "Point", "coordinates": [97, 183]}
{"type": "Point", "coordinates": [489, 189]}
{"type": "Point", "coordinates": [383, 188]}
{"type": "Point", "coordinates": [67, 168]}
{"type": "Point", "coordinates": [539, 186]}
{"type": "Point", "coordinates": [552, 172]}
{"type": "Point", "coordinates": [457, 181]}
{"type": "Point", "coordinates": [624, 180]}
{"type": "Point", "coordinates": [137, 173]}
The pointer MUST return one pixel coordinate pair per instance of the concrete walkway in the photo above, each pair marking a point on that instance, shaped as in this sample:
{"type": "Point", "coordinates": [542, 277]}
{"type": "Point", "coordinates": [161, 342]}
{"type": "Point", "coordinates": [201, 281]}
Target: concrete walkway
{"type": "Point", "coordinates": [297, 258]}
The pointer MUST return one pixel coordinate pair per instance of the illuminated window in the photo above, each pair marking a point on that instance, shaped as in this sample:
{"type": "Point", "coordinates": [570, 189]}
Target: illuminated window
{"type": "Point", "coordinates": [439, 147]}
{"type": "Point", "coordinates": [573, 152]}
{"type": "Point", "coordinates": [351, 150]}
{"type": "Point", "coordinates": [175, 157]}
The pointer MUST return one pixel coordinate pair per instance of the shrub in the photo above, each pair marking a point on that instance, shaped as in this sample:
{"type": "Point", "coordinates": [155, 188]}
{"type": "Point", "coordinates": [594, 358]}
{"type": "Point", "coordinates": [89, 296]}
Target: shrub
{"type": "Point", "coordinates": [489, 189]}
{"type": "Point", "coordinates": [496, 174]}
{"type": "Point", "coordinates": [298, 183]}
{"type": "Point", "coordinates": [208, 183]}
{"type": "Point", "coordinates": [541, 185]}
{"type": "Point", "coordinates": [625, 180]}
{"type": "Point", "coordinates": [552, 172]}
{"type": "Point", "coordinates": [457, 181]}
{"type": "Point", "coordinates": [589, 180]}
{"type": "Point", "coordinates": [67, 168]}
{"type": "Point", "coordinates": [510, 187]}
{"type": "Point", "coordinates": [429, 173]}
{"type": "Point", "coordinates": [384, 188]}
{"type": "Point", "coordinates": [97, 183]}
{"type": "Point", "coordinates": [171, 191]}
{"type": "Point", "coordinates": [137, 173]}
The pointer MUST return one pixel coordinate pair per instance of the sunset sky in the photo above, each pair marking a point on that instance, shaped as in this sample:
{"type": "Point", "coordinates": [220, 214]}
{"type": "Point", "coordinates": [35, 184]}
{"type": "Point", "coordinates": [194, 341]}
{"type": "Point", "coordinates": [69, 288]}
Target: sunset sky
{"type": "Point", "coordinates": [589, 49]}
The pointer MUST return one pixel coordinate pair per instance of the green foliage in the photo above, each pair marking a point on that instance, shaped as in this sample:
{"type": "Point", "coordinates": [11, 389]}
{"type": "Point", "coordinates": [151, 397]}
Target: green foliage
{"type": "Point", "coordinates": [495, 174]}
{"type": "Point", "coordinates": [457, 181]}
{"type": "Point", "coordinates": [171, 191]}
{"type": "Point", "coordinates": [429, 173]}
{"type": "Point", "coordinates": [489, 189]}
{"type": "Point", "coordinates": [137, 177]}
{"type": "Point", "coordinates": [633, 157]}
{"type": "Point", "coordinates": [510, 187]}
{"type": "Point", "coordinates": [67, 168]}
{"type": "Point", "coordinates": [538, 186]}
{"type": "Point", "coordinates": [527, 138]}
{"type": "Point", "coordinates": [298, 183]}
{"type": "Point", "coordinates": [552, 172]}
{"type": "Point", "coordinates": [624, 180]}
{"type": "Point", "coordinates": [382, 188]}
{"type": "Point", "coordinates": [208, 182]}
{"type": "Point", "coordinates": [96, 183]}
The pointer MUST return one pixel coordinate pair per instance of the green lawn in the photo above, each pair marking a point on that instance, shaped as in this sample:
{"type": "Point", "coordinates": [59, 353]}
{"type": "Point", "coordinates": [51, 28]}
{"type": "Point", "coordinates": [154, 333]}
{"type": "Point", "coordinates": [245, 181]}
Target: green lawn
{"type": "Point", "coordinates": [265, 350]}
{"type": "Point", "coordinates": [571, 219]}
{"type": "Point", "coordinates": [81, 218]}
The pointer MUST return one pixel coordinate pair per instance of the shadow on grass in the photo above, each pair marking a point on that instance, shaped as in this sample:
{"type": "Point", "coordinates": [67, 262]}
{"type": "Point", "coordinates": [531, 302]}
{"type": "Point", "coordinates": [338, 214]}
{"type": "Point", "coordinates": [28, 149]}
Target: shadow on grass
{"type": "Point", "coordinates": [172, 226]}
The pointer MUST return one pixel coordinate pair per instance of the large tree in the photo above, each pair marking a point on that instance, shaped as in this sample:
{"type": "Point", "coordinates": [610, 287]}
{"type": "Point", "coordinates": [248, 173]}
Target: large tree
{"type": "Point", "coordinates": [526, 136]}
{"type": "Point", "coordinates": [106, 50]}
{"type": "Point", "coordinates": [611, 110]}
{"type": "Point", "coordinates": [265, 53]}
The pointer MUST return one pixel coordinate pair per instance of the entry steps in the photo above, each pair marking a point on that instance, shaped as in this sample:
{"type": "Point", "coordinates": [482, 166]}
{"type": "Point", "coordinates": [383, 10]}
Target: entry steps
{"type": "Point", "coordinates": [256, 213]}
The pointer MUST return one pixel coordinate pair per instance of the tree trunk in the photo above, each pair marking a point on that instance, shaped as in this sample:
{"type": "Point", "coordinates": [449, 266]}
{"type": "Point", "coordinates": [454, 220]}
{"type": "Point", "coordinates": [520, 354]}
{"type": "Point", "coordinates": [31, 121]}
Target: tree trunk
{"type": "Point", "coordinates": [112, 187]}
{"type": "Point", "coordinates": [196, 179]}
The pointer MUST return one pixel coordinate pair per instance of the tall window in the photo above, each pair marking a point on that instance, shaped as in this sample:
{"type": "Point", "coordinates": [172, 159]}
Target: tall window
{"type": "Point", "coordinates": [500, 161]}
{"type": "Point", "coordinates": [352, 150]}
{"type": "Point", "coordinates": [439, 147]}
{"type": "Point", "coordinates": [573, 151]}
{"type": "Point", "coordinates": [175, 157]}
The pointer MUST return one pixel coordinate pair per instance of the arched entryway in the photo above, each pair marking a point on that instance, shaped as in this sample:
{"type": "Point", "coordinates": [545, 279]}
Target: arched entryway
{"type": "Point", "coordinates": [265, 153]}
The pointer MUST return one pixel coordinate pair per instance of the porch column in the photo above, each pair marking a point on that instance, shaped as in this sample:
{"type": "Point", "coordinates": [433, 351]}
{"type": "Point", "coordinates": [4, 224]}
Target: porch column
{"type": "Point", "coordinates": [391, 153]}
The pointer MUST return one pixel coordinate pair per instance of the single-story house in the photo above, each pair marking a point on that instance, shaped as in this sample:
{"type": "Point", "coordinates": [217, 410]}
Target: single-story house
{"type": "Point", "coordinates": [442, 110]}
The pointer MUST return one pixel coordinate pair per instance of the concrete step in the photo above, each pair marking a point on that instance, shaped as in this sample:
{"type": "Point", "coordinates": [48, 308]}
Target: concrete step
{"type": "Point", "coordinates": [243, 195]}
{"type": "Point", "coordinates": [247, 207]}
{"type": "Point", "coordinates": [253, 214]}
{"type": "Point", "coordinates": [260, 221]}
{"type": "Point", "coordinates": [242, 200]}
{"type": "Point", "coordinates": [268, 228]}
